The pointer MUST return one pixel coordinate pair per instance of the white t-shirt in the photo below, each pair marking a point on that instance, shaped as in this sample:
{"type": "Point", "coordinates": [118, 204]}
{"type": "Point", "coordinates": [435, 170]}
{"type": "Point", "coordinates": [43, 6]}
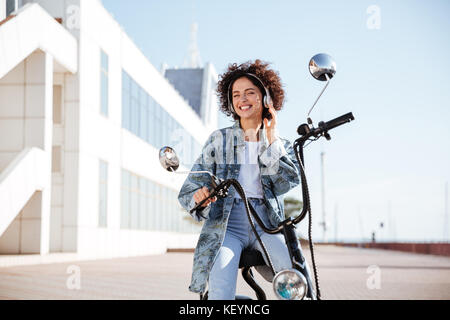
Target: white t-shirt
{"type": "Point", "coordinates": [250, 175]}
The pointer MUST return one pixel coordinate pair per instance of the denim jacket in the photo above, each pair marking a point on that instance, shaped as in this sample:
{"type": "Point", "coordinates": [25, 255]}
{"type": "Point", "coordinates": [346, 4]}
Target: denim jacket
{"type": "Point", "coordinates": [221, 155]}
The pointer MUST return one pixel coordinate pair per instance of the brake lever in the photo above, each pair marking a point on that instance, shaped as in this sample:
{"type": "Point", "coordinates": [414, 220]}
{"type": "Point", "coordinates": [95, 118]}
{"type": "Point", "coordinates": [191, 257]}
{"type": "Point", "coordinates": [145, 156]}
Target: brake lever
{"type": "Point", "coordinates": [220, 189]}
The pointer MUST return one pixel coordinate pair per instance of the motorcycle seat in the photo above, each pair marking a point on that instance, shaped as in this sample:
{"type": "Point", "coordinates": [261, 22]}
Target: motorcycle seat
{"type": "Point", "coordinates": [251, 258]}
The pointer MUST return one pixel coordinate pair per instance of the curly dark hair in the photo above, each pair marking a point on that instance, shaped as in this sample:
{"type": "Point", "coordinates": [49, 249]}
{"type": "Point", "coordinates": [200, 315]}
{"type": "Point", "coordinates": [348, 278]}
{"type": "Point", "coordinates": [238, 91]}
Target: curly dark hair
{"type": "Point", "coordinates": [269, 77]}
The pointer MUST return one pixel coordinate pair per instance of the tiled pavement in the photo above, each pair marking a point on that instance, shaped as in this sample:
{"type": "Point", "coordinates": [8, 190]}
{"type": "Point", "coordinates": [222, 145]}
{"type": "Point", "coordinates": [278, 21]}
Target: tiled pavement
{"type": "Point", "coordinates": [344, 274]}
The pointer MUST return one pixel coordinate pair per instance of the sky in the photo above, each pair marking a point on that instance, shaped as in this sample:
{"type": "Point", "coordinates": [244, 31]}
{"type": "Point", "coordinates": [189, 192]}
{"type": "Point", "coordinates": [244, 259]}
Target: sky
{"type": "Point", "coordinates": [392, 163]}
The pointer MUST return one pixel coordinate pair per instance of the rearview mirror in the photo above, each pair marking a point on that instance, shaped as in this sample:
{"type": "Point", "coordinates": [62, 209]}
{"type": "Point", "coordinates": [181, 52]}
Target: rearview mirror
{"type": "Point", "coordinates": [321, 66]}
{"type": "Point", "coordinates": [168, 159]}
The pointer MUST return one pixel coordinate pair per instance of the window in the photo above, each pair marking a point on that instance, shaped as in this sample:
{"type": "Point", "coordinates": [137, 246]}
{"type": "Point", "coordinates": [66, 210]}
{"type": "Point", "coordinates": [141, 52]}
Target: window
{"type": "Point", "coordinates": [146, 205]}
{"type": "Point", "coordinates": [149, 203]}
{"type": "Point", "coordinates": [159, 207]}
{"type": "Point", "coordinates": [11, 6]}
{"type": "Point", "coordinates": [143, 134]}
{"type": "Point", "coordinates": [103, 194]}
{"type": "Point", "coordinates": [57, 104]}
{"type": "Point", "coordinates": [134, 124]}
{"type": "Point", "coordinates": [158, 125]}
{"type": "Point", "coordinates": [126, 109]}
{"type": "Point", "coordinates": [134, 203]}
{"type": "Point", "coordinates": [56, 159]}
{"type": "Point", "coordinates": [125, 203]}
{"type": "Point", "coordinates": [145, 118]}
{"type": "Point", "coordinates": [151, 121]}
{"type": "Point", "coordinates": [142, 203]}
{"type": "Point", "coordinates": [165, 120]}
{"type": "Point", "coordinates": [152, 208]}
{"type": "Point", "coordinates": [165, 209]}
{"type": "Point", "coordinates": [104, 84]}
{"type": "Point", "coordinates": [173, 218]}
{"type": "Point", "coordinates": [171, 129]}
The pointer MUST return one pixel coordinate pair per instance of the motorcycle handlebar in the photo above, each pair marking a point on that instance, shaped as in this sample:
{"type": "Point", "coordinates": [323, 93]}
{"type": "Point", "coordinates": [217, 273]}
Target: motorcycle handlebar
{"type": "Point", "coordinates": [325, 126]}
{"type": "Point", "coordinates": [219, 185]}
{"type": "Point", "coordinates": [216, 191]}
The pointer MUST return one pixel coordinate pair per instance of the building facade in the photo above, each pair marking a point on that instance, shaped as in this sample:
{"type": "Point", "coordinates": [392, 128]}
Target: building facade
{"type": "Point", "coordinates": [83, 114]}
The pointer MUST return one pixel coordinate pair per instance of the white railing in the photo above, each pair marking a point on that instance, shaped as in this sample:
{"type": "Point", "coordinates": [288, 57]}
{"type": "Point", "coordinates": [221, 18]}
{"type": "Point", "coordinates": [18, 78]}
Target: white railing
{"type": "Point", "coordinates": [19, 181]}
{"type": "Point", "coordinates": [33, 28]}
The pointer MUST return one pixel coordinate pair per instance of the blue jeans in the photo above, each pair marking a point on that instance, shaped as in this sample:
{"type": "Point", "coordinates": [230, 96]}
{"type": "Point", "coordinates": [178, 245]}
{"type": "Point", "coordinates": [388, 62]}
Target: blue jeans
{"type": "Point", "coordinates": [239, 236]}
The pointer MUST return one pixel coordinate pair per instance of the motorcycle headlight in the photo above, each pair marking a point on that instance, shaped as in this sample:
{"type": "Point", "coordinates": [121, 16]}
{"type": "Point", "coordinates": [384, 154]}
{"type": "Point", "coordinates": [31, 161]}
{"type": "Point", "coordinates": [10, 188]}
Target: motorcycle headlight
{"type": "Point", "coordinates": [290, 285]}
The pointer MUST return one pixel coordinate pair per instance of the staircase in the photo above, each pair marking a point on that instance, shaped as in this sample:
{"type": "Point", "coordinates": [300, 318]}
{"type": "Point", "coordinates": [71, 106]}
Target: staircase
{"type": "Point", "coordinates": [32, 28]}
{"type": "Point", "coordinates": [33, 45]}
{"type": "Point", "coordinates": [19, 181]}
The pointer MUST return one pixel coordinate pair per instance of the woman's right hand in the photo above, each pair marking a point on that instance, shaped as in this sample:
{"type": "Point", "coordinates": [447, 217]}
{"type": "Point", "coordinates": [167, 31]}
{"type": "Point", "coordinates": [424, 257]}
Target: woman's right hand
{"type": "Point", "coordinates": [202, 194]}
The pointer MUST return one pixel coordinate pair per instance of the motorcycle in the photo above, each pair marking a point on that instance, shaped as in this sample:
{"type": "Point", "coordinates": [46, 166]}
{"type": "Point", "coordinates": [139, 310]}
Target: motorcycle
{"type": "Point", "coordinates": [294, 283]}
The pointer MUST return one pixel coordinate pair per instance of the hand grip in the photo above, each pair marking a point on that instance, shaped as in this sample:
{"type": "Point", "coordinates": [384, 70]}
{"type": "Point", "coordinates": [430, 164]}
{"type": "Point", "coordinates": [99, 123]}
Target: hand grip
{"type": "Point", "coordinates": [325, 126]}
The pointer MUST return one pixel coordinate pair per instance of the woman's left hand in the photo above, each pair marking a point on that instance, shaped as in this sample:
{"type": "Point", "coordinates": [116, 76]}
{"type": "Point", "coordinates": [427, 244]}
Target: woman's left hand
{"type": "Point", "coordinates": [271, 128]}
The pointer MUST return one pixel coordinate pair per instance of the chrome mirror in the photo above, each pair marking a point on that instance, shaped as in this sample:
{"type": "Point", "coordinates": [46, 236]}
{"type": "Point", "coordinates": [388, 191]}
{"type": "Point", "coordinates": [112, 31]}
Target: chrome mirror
{"type": "Point", "coordinates": [322, 67]}
{"type": "Point", "coordinates": [168, 159]}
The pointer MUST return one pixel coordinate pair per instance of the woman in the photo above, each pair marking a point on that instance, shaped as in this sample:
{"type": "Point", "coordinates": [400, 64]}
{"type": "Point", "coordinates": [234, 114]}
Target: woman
{"type": "Point", "coordinates": [265, 165]}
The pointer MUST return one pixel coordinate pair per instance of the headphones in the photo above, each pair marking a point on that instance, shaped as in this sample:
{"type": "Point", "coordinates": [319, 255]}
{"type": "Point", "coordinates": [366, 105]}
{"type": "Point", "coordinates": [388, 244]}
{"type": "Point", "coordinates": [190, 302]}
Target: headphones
{"type": "Point", "coordinates": [267, 100]}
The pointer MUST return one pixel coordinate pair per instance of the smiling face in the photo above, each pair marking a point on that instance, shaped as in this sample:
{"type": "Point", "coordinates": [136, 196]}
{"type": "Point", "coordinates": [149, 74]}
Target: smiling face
{"type": "Point", "coordinates": [247, 99]}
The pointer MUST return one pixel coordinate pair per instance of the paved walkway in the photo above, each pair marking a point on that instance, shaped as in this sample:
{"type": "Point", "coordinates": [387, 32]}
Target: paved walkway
{"type": "Point", "coordinates": [345, 273]}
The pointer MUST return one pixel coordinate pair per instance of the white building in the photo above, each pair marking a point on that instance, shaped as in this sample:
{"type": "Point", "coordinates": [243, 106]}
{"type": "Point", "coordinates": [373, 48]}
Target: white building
{"type": "Point", "coordinates": [83, 114]}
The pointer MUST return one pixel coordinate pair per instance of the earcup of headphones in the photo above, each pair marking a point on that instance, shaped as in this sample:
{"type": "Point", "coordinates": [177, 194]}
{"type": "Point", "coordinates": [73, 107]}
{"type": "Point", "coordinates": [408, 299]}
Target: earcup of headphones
{"type": "Point", "coordinates": [267, 99]}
